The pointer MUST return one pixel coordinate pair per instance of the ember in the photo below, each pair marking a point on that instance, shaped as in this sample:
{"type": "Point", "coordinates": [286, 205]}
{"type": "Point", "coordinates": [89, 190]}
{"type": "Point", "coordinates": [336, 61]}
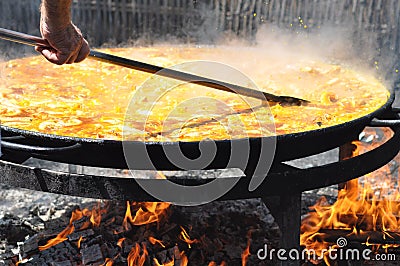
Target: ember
{"type": "Point", "coordinates": [246, 252]}
{"type": "Point", "coordinates": [62, 236]}
{"type": "Point", "coordinates": [161, 242]}
{"type": "Point", "coordinates": [186, 238]}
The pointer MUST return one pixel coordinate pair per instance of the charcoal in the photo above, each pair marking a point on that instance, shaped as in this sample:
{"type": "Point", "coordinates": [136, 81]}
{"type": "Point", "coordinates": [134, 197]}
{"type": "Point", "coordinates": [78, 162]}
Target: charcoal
{"type": "Point", "coordinates": [61, 263]}
{"type": "Point", "coordinates": [162, 257]}
{"type": "Point", "coordinates": [91, 254]}
{"type": "Point", "coordinates": [126, 249]}
{"type": "Point", "coordinates": [71, 249]}
{"type": "Point", "coordinates": [81, 222]}
{"type": "Point", "coordinates": [31, 244]}
{"type": "Point", "coordinates": [97, 240]}
{"type": "Point", "coordinates": [39, 262]}
{"type": "Point", "coordinates": [84, 233]}
{"type": "Point", "coordinates": [207, 224]}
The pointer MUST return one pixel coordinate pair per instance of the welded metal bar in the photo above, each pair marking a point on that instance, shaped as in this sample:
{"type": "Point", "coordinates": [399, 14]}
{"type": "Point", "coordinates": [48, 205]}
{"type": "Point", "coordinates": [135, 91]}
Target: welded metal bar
{"type": "Point", "coordinates": [289, 181]}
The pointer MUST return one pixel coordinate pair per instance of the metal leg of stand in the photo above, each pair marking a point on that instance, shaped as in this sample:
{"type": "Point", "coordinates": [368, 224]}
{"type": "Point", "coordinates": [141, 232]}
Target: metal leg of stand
{"type": "Point", "coordinates": [286, 210]}
{"type": "Point", "coordinates": [346, 151]}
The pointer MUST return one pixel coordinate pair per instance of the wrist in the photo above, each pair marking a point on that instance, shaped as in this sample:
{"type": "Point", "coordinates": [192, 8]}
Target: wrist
{"type": "Point", "coordinates": [56, 15]}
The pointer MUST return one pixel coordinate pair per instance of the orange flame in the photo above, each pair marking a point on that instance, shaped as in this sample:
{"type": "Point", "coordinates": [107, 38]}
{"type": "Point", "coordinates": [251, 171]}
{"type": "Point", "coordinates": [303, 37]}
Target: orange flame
{"type": "Point", "coordinates": [183, 257]}
{"type": "Point", "coordinates": [246, 252]}
{"type": "Point", "coordinates": [154, 241]}
{"type": "Point", "coordinates": [245, 255]}
{"type": "Point", "coordinates": [62, 236]}
{"type": "Point", "coordinates": [134, 257]}
{"type": "Point", "coordinates": [94, 216]}
{"type": "Point", "coordinates": [359, 209]}
{"type": "Point", "coordinates": [120, 241]}
{"type": "Point", "coordinates": [170, 263]}
{"type": "Point", "coordinates": [95, 219]}
{"type": "Point", "coordinates": [185, 237]}
{"type": "Point", "coordinates": [108, 262]}
{"type": "Point", "coordinates": [213, 263]}
{"type": "Point", "coordinates": [148, 212]}
{"type": "Point", "coordinates": [154, 210]}
{"type": "Point", "coordinates": [128, 216]}
{"type": "Point", "coordinates": [21, 261]}
{"type": "Point", "coordinates": [78, 243]}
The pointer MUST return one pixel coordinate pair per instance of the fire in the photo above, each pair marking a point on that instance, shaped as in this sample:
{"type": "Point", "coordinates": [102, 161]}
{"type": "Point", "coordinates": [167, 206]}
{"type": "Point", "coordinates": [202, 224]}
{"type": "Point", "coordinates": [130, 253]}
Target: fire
{"type": "Point", "coordinates": [246, 253]}
{"type": "Point", "coordinates": [128, 216]}
{"type": "Point", "coordinates": [95, 216]}
{"type": "Point", "coordinates": [154, 241]}
{"type": "Point", "coordinates": [108, 262]}
{"type": "Point", "coordinates": [62, 236]}
{"type": "Point", "coordinates": [186, 238]}
{"type": "Point", "coordinates": [213, 263]}
{"type": "Point", "coordinates": [170, 263]}
{"type": "Point", "coordinates": [368, 212]}
{"type": "Point", "coordinates": [183, 258]}
{"type": "Point", "coordinates": [94, 220]}
{"type": "Point", "coordinates": [21, 261]}
{"type": "Point", "coordinates": [78, 243]}
{"type": "Point", "coordinates": [136, 214]}
{"type": "Point", "coordinates": [148, 212]}
{"type": "Point", "coordinates": [120, 241]}
{"type": "Point", "coordinates": [135, 258]}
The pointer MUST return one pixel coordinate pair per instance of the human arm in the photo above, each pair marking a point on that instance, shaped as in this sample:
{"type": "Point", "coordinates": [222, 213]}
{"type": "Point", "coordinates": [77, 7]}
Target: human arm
{"type": "Point", "coordinates": [66, 40]}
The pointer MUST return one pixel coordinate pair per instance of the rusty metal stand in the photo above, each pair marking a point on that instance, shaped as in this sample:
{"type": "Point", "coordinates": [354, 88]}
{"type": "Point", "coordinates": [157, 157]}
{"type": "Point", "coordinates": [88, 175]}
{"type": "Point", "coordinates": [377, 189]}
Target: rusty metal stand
{"type": "Point", "coordinates": [286, 209]}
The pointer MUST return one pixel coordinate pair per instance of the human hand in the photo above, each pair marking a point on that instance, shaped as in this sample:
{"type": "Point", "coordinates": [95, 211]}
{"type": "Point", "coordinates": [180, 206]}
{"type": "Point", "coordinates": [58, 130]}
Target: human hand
{"type": "Point", "coordinates": [67, 44]}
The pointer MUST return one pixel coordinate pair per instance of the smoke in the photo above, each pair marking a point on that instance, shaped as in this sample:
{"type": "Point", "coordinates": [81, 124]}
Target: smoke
{"type": "Point", "coordinates": [333, 31]}
{"type": "Point", "coordinates": [346, 45]}
{"type": "Point", "coordinates": [338, 31]}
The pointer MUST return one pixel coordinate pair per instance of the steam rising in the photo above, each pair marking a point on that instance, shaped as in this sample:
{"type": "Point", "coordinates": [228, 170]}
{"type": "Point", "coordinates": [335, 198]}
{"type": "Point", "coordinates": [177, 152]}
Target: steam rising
{"type": "Point", "coordinates": [342, 31]}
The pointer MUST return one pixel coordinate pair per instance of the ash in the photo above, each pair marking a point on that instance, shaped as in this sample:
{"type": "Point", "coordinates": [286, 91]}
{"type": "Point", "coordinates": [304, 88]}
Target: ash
{"type": "Point", "coordinates": [31, 218]}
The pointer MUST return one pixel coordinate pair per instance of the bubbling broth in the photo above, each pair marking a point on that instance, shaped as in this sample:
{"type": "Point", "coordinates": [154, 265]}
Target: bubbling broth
{"type": "Point", "coordinates": [103, 101]}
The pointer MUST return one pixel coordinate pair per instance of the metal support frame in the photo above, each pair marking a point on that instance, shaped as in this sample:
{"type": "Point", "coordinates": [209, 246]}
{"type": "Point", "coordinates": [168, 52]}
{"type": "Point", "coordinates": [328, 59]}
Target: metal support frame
{"type": "Point", "coordinates": [286, 209]}
{"type": "Point", "coordinates": [280, 191]}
